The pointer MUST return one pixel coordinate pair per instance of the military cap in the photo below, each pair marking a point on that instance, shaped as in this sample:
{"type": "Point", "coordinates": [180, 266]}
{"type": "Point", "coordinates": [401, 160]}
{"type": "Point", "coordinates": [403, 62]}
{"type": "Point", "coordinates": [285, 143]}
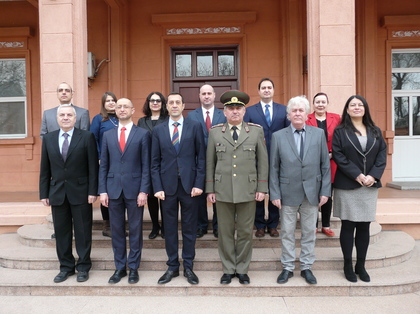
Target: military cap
{"type": "Point", "coordinates": [234, 98]}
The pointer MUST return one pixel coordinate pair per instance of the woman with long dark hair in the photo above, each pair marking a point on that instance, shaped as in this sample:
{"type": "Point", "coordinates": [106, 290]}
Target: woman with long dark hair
{"type": "Point", "coordinates": [360, 153]}
{"type": "Point", "coordinates": [155, 113]}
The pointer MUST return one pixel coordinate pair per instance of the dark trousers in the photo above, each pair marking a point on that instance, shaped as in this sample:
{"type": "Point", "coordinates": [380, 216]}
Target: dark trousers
{"type": "Point", "coordinates": [104, 212]}
{"type": "Point", "coordinates": [273, 216]}
{"type": "Point", "coordinates": [117, 209]}
{"type": "Point", "coordinates": [325, 214]}
{"type": "Point", "coordinates": [64, 216]}
{"type": "Point", "coordinates": [203, 218]}
{"type": "Point", "coordinates": [361, 240]}
{"type": "Point", "coordinates": [189, 214]}
{"type": "Point", "coordinates": [153, 204]}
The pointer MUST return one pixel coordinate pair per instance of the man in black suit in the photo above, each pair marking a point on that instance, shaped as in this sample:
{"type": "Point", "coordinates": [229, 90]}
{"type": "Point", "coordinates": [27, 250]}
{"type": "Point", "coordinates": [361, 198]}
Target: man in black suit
{"type": "Point", "coordinates": [124, 178]}
{"type": "Point", "coordinates": [272, 117]}
{"type": "Point", "coordinates": [178, 172]}
{"type": "Point", "coordinates": [208, 115]}
{"type": "Point", "coordinates": [69, 184]}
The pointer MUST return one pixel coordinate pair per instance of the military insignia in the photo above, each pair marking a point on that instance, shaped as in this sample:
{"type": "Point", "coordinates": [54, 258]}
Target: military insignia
{"type": "Point", "coordinates": [234, 99]}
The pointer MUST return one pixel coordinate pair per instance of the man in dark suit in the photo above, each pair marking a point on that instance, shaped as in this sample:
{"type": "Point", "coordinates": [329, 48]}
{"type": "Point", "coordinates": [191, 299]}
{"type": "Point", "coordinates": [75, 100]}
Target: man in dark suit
{"type": "Point", "coordinates": [272, 117]}
{"type": "Point", "coordinates": [178, 173]}
{"type": "Point", "coordinates": [69, 184]}
{"type": "Point", "coordinates": [300, 182]}
{"type": "Point", "coordinates": [124, 177]}
{"type": "Point", "coordinates": [49, 117]}
{"type": "Point", "coordinates": [208, 115]}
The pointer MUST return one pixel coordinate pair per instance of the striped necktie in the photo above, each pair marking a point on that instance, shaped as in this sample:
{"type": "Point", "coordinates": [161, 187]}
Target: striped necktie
{"type": "Point", "coordinates": [175, 136]}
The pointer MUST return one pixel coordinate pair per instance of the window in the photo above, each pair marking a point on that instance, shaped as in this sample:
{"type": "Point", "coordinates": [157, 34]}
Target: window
{"type": "Point", "coordinates": [13, 98]}
{"type": "Point", "coordinates": [406, 91]}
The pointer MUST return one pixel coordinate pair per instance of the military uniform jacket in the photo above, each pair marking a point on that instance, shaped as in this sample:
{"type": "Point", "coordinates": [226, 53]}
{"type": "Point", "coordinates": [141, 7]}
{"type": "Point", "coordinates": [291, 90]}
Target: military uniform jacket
{"type": "Point", "coordinates": [236, 171]}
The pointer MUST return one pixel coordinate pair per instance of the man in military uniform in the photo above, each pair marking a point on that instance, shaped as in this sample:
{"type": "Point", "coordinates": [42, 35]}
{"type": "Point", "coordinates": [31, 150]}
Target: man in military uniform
{"type": "Point", "coordinates": [236, 177]}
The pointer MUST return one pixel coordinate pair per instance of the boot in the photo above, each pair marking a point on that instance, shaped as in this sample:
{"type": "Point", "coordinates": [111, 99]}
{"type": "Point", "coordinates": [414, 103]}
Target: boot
{"type": "Point", "coordinates": [361, 271]}
{"type": "Point", "coordinates": [106, 229]}
{"type": "Point", "coordinates": [348, 270]}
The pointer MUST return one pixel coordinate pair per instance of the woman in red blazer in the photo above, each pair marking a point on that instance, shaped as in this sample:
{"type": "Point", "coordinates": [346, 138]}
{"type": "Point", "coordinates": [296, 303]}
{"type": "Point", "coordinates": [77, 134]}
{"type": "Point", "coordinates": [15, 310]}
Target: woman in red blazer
{"type": "Point", "coordinates": [327, 121]}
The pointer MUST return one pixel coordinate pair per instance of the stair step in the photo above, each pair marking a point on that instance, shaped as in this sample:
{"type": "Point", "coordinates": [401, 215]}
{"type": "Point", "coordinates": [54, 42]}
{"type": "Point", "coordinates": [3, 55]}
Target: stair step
{"type": "Point", "coordinates": [395, 279]}
{"type": "Point", "coordinates": [392, 247]}
{"type": "Point", "coordinates": [40, 236]}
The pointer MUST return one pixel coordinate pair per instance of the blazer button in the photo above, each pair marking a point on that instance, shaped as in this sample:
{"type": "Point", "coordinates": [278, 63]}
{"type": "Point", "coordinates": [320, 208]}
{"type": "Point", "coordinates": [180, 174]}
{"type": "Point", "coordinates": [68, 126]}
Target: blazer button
{"type": "Point", "coordinates": [234, 174]}
{"type": "Point", "coordinates": [234, 156]}
{"type": "Point", "coordinates": [234, 166]}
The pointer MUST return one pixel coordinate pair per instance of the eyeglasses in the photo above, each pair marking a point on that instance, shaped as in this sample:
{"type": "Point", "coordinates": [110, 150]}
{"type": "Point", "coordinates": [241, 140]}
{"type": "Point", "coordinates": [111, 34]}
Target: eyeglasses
{"type": "Point", "coordinates": [124, 106]}
{"type": "Point", "coordinates": [155, 100]}
{"type": "Point", "coordinates": [67, 90]}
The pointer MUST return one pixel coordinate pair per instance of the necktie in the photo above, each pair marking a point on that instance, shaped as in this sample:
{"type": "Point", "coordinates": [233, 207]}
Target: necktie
{"type": "Point", "coordinates": [122, 138]}
{"type": "Point", "coordinates": [208, 122]}
{"type": "Point", "coordinates": [235, 134]}
{"type": "Point", "coordinates": [300, 132]}
{"type": "Point", "coordinates": [65, 148]}
{"type": "Point", "coordinates": [267, 114]}
{"type": "Point", "coordinates": [175, 136]}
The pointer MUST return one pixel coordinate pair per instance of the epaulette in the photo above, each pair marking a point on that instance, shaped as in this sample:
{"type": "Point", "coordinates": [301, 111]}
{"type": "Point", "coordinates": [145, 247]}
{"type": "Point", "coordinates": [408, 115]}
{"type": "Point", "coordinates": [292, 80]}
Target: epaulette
{"type": "Point", "coordinates": [217, 125]}
{"type": "Point", "coordinates": [254, 124]}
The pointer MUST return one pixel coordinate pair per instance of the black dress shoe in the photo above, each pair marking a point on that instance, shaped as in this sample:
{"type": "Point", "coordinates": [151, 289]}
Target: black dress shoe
{"type": "Point", "coordinates": [284, 276]}
{"type": "Point", "coordinates": [167, 276]}
{"type": "Point", "coordinates": [201, 233]}
{"type": "Point", "coordinates": [191, 277]}
{"type": "Point", "coordinates": [243, 279]}
{"type": "Point", "coordinates": [162, 235]}
{"type": "Point", "coordinates": [153, 234]}
{"type": "Point", "coordinates": [226, 279]}
{"type": "Point", "coordinates": [63, 275]}
{"type": "Point", "coordinates": [53, 236]}
{"type": "Point", "coordinates": [116, 277]}
{"type": "Point", "coordinates": [216, 233]}
{"type": "Point", "coordinates": [133, 277]}
{"type": "Point", "coordinates": [309, 277]}
{"type": "Point", "coordinates": [82, 276]}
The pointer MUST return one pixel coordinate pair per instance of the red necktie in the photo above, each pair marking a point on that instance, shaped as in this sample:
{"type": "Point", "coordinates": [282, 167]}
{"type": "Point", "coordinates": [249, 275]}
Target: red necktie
{"type": "Point", "coordinates": [208, 122]}
{"type": "Point", "coordinates": [122, 138]}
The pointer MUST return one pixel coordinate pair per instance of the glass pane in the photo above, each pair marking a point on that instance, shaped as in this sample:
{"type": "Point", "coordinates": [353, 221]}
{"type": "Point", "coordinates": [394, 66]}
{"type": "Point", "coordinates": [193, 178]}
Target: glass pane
{"type": "Point", "coordinates": [226, 63]}
{"type": "Point", "coordinates": [205, 64]}
{"type": "Point", "coordinates": [406, 81]}
{"type": "Point", "coordinates": [406, 60]}
{"type": "Point", "coordinates": [401, 115]}
{"type": "Point", "coordinates": [183, 65]}
{"type": "Point", "coordinates": [12, 117]}
{"type": "Point", "coordinates": [416, 115]}
{"type": "Point", "coordinates": [12, 78]}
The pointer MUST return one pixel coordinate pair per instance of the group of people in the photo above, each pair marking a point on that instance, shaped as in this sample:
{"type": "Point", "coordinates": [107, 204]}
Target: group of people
{"type": "Point", "coordinates": [231, 158]}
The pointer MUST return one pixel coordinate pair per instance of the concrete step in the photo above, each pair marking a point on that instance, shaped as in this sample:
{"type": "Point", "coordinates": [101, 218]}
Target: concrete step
{"type": "Point", "coordinates": [40, 236]}
{"type": "Point", "coordinates": [390, 280]}
{"type": "Point", "coordinates": [392, 247]}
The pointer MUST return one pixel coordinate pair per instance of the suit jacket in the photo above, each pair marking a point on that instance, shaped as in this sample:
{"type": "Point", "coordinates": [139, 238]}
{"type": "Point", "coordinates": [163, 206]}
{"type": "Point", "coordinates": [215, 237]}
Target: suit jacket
{"type": "Point", "coordinates": [127, 171]}
{"type": "Point", "coordinates": [292, 178]}
{"type": "Point", "coordinates": [77, 177]}
{"type": "Point", "coordinates": [49, 120]}
{"type": "Point", "coordinates": [279, 121]}
{"type": "Point", "coordinates": [188, 164]}
{"type": "Point", "coordinates": [146, 122]}
{"type": "Point", "coordinates": [197, 115]}
{"type": "Point", "coordinates": [348, 155]}
{"type": "Point", "coordinates": [236, 171]}
{"type": "Point", "coordinates": [333, 120]}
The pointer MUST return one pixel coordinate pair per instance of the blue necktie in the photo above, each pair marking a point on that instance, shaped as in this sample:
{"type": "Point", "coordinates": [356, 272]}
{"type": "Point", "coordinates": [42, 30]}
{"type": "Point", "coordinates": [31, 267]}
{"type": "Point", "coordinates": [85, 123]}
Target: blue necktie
{"type": "Point", "coordinates": [175, 136]}
{"type": "Point", "coordinates": [267, 114]}
{"type": "Point", "coordinates": [65, 147]}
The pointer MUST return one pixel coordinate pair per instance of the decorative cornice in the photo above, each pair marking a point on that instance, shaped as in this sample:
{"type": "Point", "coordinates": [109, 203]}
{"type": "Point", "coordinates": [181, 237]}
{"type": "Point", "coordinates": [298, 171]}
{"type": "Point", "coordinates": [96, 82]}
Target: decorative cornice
{"type": "Point", "coordinates": [12, 44]}
{"type": "Point", "coordinates": [203, 30]}
{"type": "Point", "coordinates": [405, 33]}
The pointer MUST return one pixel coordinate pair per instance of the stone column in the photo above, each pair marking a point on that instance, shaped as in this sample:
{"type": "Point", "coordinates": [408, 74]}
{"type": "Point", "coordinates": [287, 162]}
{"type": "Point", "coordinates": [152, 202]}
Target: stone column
{"type": "Point", "coordinates": [331, 50]}
{"type": "Point", "coordinates": [63, 50]}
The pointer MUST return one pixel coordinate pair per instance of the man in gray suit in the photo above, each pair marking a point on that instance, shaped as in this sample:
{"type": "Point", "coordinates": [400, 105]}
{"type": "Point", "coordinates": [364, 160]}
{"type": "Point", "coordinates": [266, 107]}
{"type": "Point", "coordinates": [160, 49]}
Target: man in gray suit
{"type": "Point", "coordinates": [300, 182]}
{"type": "Point", "coordinates": [49, 118]}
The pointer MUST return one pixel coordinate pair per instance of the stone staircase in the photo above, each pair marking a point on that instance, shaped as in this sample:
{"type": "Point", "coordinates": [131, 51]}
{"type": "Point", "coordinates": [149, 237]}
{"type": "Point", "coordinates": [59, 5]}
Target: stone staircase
{"type": "Point", "coordinates": [28, 264]}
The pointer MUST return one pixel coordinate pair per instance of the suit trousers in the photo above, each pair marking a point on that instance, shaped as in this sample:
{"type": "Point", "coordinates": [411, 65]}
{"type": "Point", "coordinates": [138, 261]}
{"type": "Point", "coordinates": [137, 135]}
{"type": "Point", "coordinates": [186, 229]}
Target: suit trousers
{"type": "Point", "coordinates": [189, 215]}
{"type": "Point", "coordinates": [235, 254]}
{"type": "Point", "coordinates": [117, 209]}
{"type": "Point", "coordinates": [273, 216]}
{"type": "Point", "coordinates": [203, 218]}
{"type": "Point", "coordinates": [64, 216]}
{"type": "Point", "coordinates": [308, 216]}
